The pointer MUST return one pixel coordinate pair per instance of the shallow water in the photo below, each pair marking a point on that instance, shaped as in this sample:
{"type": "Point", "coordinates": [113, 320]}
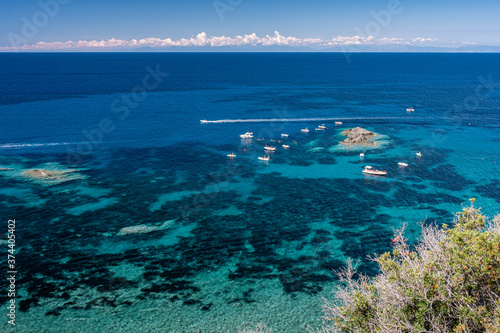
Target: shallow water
{"type": "Point", "coordinates": [250, 242]}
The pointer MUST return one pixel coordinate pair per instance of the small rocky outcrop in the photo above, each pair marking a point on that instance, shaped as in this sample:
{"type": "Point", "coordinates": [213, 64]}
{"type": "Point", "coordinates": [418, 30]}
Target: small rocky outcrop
{"type": "Point", "coordinates": [51, 176]}
{"type": "Point", "coordinates": [357, 135]}
{"type": "Point", "coordinates": [42, 173]}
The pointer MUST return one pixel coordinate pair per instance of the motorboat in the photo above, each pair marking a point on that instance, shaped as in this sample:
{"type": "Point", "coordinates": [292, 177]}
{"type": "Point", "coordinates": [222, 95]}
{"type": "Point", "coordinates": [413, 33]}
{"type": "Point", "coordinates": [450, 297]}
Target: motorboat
{"type": "Point", "coordinates": [402, 164]}
{"type": "Point", "coordinates": [322, 126]}
{"type": "Point", "coordinates": [410, 110]}
{"type": "Point", "coordinates": [231, 155]}
{"type": "Point", "coordinates": [247, 135]}
{"type": "Point", "coordinates": [270, 148]}
{"type": "Point", "coordinates": [362, 154]}
{"type": "Point", "coordinates": [419, 154]}
{"type": "Point", "coordinates": [283, 135]}
{"type": "Point", "coordinates": [319, 129]}
{"type": "Point", "coordinates": [204, 121]}
{"type": "Point", "coordinates": [285, 146]}
{"type": "Point", "coordinates": [370, 170]}
{"type": "Point", "coordinates": [338, 123]}
{"type": "Point", "coordinates": [305, 130]}
{"type": "Point", "coordinates": [265, 158]}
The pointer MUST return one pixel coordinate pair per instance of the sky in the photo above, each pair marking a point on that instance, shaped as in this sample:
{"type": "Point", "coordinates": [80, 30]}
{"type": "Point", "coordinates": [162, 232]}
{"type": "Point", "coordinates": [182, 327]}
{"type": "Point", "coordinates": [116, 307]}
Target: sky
{"type": "Point", "coordinates": [27, 25]}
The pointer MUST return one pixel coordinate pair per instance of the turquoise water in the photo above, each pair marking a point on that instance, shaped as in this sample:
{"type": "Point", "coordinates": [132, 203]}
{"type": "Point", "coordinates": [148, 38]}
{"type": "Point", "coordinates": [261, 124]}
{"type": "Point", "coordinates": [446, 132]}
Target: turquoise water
{"type": "Point", "coordinates": [156, 230]}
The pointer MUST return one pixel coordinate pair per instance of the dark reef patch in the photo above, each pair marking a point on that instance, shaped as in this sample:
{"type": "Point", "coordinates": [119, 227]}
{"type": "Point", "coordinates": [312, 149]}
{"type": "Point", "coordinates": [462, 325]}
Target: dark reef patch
{"type": "Point", "coordinates": [327, 160]}
{"type": "Point", "coordinates": [265, 242]}
{"type": "Point", "coordinates": [491, 190]}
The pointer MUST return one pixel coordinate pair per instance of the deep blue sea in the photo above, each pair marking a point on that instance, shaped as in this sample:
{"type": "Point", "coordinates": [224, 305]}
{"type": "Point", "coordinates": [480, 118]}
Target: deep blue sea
{"type": "Point", "coordinates": [130, 217]}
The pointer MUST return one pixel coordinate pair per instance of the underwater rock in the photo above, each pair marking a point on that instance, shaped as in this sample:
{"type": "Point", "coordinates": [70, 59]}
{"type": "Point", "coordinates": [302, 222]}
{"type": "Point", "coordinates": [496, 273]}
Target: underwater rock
{"type": "Point", "coordinates": [143, 229]}
{"type": "Point", "coordinates": [358, 135]}
{"type": "Point", "coordinates": [51, 176]}
{"type": "Point", "coordinates": [42, 173]}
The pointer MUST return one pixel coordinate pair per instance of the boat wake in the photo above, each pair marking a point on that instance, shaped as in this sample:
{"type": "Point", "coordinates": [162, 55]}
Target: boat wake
{"type": "Point", "coordinates": [263, 120]}
{"type": "Point", "coordinates": [34, 145]}
{"type": "Point", "coordinates": [50, 144]}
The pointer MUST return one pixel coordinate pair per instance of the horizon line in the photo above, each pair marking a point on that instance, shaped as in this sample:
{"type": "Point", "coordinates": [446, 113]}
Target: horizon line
{"type": "Point", "coordinates": [196, 51]}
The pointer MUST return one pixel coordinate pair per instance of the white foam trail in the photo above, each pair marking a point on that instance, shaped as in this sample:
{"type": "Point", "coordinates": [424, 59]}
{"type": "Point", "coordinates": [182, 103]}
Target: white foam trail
{"type": "Point", "coordinates": [263, 120]}
{"type": "Point", "coordinates": [23, 145]}
{"type": "Point", "coordinates": [49, 144]}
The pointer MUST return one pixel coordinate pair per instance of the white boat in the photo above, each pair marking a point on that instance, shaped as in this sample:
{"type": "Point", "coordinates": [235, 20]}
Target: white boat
{"type": "Point", "coordinates": [362, 154]}
{"type": "Point", "coordinates": [319, 129]}
{"type": "Point", "coordinates": [402, 164]}
{"type": "Point", "coordinates": [410, 110]}
{"type": "Point", "coordinates": [305, 130]}
{"type": "Point", "coordinates": [265, 158]}
{"type": "Point", "coordinates": [370, 170]}
{"type": "Point", "coordinates": [247, 135]}
{"type": "Point", "coordinates": [338, 123]}
{"type": "Point", "coordinates": [419, 154]}
{"type": "Point", "coordinates": [270, 148]}
{"type": "Point", "coordinates": [283, 135]}
{"type": "Point", "coordinates": [231, 155]}
{"type": "Point", "coordinates": [322, 126]}
{"type": "Point", "coordinates": [286, 146]}
{"type": "Point", "coordinates": [204, 121]}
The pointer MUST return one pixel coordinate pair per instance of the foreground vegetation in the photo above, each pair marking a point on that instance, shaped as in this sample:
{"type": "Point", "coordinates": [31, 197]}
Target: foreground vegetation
{"type": "Point", "coordinates": [448, 282]}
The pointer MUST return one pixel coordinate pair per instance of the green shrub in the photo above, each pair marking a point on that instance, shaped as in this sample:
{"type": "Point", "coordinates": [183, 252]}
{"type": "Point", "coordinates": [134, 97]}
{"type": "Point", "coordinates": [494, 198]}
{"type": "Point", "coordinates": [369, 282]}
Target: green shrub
{"type": "Point", "coordinates": [448, 282]}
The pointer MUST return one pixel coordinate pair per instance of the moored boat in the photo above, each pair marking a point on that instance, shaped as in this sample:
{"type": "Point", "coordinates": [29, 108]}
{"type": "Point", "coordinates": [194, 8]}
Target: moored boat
{"type": "Point", "coordinates": [370, 170]}
{"type": "Point", "coordinates": [270, 148]}
{"type": "Point", "coordinates": [410, 110]}
{"type": "Point", "coordinates": [305, 130]}
{"type": "Point", "coordinates": [265, 158]}
{"type": "Point", "coordinates": [402, 164]}
{"type": "Point", "coordinates": [283, 135]}
{"type": "Point", "coordinates": [419, 154]}
{"type": "Point", "coordinates": [247, 135]}
{"type": "Point", "coordinates": [322, 126]}
{"type": "Point", "coordinates": [231, 155]}
{"type": "Point", "coordinates": [338, 123]}
{"type": "Point", "coordinates": [285, 146]}
{"type": "Point", "coordinates": [362, 154]}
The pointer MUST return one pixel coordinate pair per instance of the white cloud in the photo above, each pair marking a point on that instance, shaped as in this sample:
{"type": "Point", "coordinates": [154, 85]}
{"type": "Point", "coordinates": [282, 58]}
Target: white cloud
{"type": "Point", "coordinates": [370, 40]}
{"type": "Point", "coordinates": [203, 40]}
{"type": "Point", "coordinates": [422, 40]}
